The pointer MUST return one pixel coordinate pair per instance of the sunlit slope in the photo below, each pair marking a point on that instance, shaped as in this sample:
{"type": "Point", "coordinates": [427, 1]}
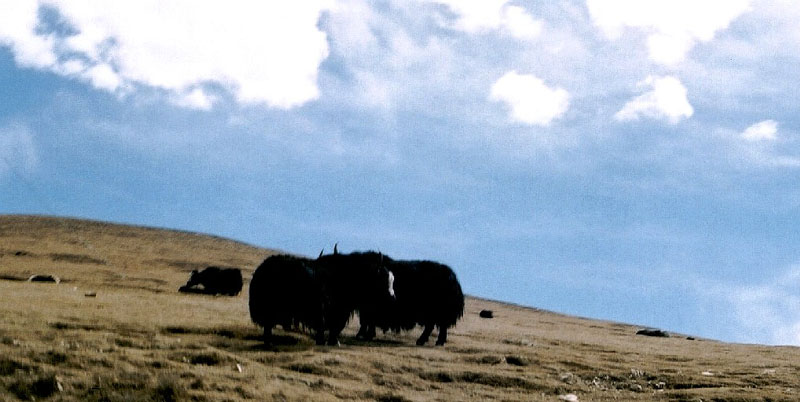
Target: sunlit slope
{"type": "Point", "coordinates": [115, 328]}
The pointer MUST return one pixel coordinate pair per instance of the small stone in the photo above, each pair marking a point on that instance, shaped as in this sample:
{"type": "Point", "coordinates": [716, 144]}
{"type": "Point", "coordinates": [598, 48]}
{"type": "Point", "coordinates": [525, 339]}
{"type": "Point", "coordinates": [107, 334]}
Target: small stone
{"type": "Point", "coordinates": [568, 398]}
{"type": "Point", "coordinates": [707, 374]}
{"type": "Point", "coordinates": [636, 388]}
{"type": "Point", "coordinates": [239, 367]}
{"type": "Point", "coordinates": [486, 314]}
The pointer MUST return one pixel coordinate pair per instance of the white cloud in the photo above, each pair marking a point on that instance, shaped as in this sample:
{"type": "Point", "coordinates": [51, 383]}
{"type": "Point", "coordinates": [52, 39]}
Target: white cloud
{"type": "Point", "coordinates": [262, 52]}
{"type": "Point", "coordinates": [764, 130]}
{"type": "Point", "coordinates": [665, 100]}
{"type": "Point", "coordinates": [389, 64]}
{"type": "Point", "coordinates": [519, 24]}
{"type": "Point", "coordinates": [17, 150]}
{"type": "Point", "coordinates": [17, 29]}
{"type": "Point", "coordinates": [350, 24]}
{"type": "Point", "coordinates": [530, 100]}
{"type": "Point", "coordinates": [102, 76]}
{"type": "Point", "coordinates": [475, 16]}
{"type": "Point", "coordinates": [672, 27]}
{"type": "Point", "coordinates": [196, 99]}
{"type": "Point", "coordinates": [758, 145]}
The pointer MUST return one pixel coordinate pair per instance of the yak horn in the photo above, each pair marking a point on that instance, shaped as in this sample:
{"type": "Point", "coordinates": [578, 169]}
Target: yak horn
{"type": "Point", "coordinates": [336, 249]}
{"type": "Point", "coordinates": [320, 253]}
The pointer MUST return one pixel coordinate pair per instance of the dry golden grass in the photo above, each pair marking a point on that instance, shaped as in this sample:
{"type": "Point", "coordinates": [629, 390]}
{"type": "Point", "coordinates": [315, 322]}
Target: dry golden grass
{"type": "Point", "coordinates": [116, 329]}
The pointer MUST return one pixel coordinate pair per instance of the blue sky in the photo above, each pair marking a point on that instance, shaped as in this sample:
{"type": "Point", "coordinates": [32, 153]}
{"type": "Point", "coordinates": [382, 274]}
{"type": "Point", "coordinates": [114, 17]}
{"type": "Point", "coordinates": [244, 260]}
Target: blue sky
{"type": "Point", "coordinates": [627, 160]}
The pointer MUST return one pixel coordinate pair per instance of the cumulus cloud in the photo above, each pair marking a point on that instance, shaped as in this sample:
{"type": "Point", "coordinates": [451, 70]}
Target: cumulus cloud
{"type": "Point", "coordinates": [672, 27]}
{"type": "Point", "coordinates": [262, 52]}
{"type": "Point", "coordinates": [666, 99]}
{"type": "Point", "coordinates": [531, 101]}
{"type": "Point", "coordinates": [17, 150]}
{"type": "Point", "coordinates": [764, 130]}
{"type": "Point", "coordinates": [475, 16]}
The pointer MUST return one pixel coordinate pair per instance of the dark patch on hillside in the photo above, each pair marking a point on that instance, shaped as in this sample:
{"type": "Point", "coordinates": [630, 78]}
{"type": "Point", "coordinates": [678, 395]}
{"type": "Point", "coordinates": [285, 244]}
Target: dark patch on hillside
{"type": "Point", "coordinates": [76, 259]}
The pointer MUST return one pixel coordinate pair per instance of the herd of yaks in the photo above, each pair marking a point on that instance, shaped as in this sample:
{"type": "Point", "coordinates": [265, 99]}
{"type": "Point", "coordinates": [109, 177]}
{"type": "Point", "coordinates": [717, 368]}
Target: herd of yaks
{"type": "Point", "coordinates": [322, 294]}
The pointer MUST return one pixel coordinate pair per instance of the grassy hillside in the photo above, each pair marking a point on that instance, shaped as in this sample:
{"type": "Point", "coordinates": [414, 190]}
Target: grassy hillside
{"type": "Point", "coordinates": [116, 329]}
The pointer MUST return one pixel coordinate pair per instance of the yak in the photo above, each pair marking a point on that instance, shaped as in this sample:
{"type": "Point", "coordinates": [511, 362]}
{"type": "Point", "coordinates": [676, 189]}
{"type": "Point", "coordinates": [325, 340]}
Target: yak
{"type": "Point", "coordinates": [284, 291]}
{"type": "Point", "coordinates": [319, 294]}
{"type": "Point", "coordinates": [215, 280]}
{"type": "Point", "coordinates": [427, 293]}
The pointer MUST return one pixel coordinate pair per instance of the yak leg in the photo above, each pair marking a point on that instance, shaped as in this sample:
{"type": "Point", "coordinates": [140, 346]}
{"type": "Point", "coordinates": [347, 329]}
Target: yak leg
{"type": "Point", "coordinates": [363, 331]}
{"type": "Point", "coordinates": [336, 326]}
{"type": "Point", "coordinates": [287, 325]}
{"type": "Point", "coordinates": [319, 336]}
{"type": "Point", "coordinates": [442, 336]}
{"type": "Point", "coordinates": [319, 331]}
{"type": "Point", "coordinates": [333, 339]}
{"type": "Point", "coordinates": [426, 333]}
{"type": "Point", "coordinates": [367, 329]}
{"type": "Point", "coordinates": [267, 335]}
{"type": "Point", "coordinates": [335, 330]}
{"type": "Point", "coordinates": [319, 323]}
{"type": "Point", "coordinates": [366, 332]}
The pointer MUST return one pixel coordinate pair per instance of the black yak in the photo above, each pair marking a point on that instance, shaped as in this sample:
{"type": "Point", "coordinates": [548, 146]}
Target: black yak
{"type": "Point", "coordinates": [285, 291]}
{"type": "Point", "coordinates": [426, 293]}
{"type": "Point", "coordinates": [319, 294]}
{"type": "Point", "coordinates": [215, 280]}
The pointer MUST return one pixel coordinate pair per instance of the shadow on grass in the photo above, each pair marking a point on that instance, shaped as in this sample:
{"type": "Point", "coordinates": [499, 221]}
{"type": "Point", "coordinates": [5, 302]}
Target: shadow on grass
{"type": "Point", "coordinates": [225, 332]}
{"type": "Point", "coordinates": [143, 388]}
{"type": "Point", "coordinates": [373, 342]}
{"type": "Point", "coordinates": [283, 343]}
{"type": "Point", "coordinates": [40, 387]}
{"type": "Point", "coordinates": [239, 338]}
{"type": "Point", "coordinates": [488, 379]}
{"type": "Point", "coordinates": [12, 278]}
{"type": "Point", "coordinates": [74, 326]}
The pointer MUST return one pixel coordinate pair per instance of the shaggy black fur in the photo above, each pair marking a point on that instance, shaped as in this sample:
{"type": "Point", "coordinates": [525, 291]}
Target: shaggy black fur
{"type": "Point", "coordinates": [215, 280]}
{"type": "Point", "coordinates": [319, 294]}
{"type": "Point", "coordinates": [427, 293]}
{"type": "Point", "coordinates": [284, 291]}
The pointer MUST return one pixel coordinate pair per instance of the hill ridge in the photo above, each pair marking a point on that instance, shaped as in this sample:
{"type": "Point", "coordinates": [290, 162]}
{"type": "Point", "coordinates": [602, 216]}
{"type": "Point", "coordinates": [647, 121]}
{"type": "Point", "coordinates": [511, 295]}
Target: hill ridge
{"type": "Point", "coordinates": [121, 331]}
{"type": "Point", "coordinates": [89, 221]}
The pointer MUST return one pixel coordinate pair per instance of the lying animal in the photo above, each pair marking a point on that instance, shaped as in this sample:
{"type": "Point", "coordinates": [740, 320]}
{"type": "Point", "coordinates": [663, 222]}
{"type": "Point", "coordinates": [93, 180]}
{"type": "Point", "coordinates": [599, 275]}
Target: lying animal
{"type": "Point", "coordinates": [214, 280]}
